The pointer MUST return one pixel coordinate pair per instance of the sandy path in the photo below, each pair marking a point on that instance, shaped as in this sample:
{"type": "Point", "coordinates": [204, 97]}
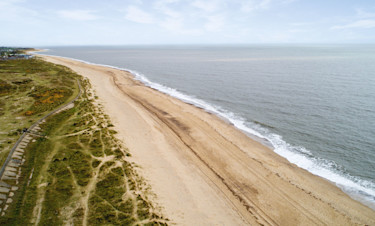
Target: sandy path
{"type": "Point", "coordinates": [206, 172]}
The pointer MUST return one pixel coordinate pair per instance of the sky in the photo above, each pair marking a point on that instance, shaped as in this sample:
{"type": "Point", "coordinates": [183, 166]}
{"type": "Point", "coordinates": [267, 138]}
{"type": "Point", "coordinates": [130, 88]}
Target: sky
{"type": "Point", "coordinates": [36, 23]}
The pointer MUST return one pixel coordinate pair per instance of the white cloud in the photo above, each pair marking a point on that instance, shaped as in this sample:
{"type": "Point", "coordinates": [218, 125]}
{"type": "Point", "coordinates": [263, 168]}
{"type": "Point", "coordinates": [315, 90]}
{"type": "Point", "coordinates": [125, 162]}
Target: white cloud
{"type": "Point", "coordinates": [300, 24]}
{"type": "Point", "coordinates": [7, 3]}
{"type": "Point", "coordinates": [288, 1]}
{"type": "Point", "coordinates": [13, 10]}
{"type": "Point", "coordinates": [252, 5]}
{"type": "Point", "coordinates": [164, 2]}
{"type": "Point", "coordinates": [208, 6]}
{"type": "Point", "coordinates": [177, 26]}
{"type": "Point", "coordinates": [135, 14]}
{"type": "Point", "coordinates": [356, 24]}
{"type": "Point", "coordinates": [162, 7]}
{"type": "Point", "coordinates": [299, 30]}
{"type": "Point", "coordinates": [177, 18]}
{"type": "Point", "coordinates": [77, 14]}
{"type": "Point", "coordinates": [215, 23]}
{"type": "Point", "coordinates": [170, 12]}
{"type": "Point", "coordinates": [363, 14]}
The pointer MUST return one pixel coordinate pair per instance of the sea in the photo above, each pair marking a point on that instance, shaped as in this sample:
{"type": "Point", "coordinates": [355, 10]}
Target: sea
{"type": "Point", "coordinates": [312, 104]}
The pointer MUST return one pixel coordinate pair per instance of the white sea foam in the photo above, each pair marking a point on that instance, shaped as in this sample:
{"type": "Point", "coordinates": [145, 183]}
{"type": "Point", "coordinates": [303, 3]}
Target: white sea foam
{"type": "Point", "coordinates": [359, 189]}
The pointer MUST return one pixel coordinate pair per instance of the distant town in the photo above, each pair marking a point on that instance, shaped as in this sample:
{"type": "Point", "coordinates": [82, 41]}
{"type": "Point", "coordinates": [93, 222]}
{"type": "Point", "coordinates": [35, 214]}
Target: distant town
{"type": "Point", "coordinates": [11, 53]}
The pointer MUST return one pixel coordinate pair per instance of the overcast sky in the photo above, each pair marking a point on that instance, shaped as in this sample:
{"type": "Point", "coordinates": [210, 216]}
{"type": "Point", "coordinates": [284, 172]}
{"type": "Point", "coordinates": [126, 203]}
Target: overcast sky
{"type": "Point", "coordinates": [126, 22]}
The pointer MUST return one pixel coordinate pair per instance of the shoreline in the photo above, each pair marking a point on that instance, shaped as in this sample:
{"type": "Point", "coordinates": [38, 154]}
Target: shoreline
{"type": "Point", "coordinates": [243, 180]}
{"type": "Point", "coordinates": [346, 182]}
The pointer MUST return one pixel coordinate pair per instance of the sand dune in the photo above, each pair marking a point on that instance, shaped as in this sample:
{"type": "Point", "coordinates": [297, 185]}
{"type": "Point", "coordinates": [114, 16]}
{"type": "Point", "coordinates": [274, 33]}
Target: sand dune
{"type": "Point", "coordinates": [206, 172]}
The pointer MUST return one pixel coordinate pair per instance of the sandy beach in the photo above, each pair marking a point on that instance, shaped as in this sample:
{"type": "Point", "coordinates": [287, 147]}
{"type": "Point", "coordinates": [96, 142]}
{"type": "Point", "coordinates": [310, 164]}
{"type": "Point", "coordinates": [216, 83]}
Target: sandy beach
{"type": "Point", "coordinates": [203, 170]}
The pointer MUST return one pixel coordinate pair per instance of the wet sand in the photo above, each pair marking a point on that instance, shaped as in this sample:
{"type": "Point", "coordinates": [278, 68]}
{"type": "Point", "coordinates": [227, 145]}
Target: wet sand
{"type": "Point", "coordinates": [203, 170]}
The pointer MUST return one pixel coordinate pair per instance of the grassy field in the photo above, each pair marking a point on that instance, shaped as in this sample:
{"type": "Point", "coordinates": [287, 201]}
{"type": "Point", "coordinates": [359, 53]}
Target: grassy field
{"type": "Point", "coordinates": [80, 173]}
{"type": "Point", "coordinates": [29, 89]}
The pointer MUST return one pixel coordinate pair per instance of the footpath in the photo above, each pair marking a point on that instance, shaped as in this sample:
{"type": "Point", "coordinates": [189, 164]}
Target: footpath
{"type": "Point", "coordinates": [10, 172]}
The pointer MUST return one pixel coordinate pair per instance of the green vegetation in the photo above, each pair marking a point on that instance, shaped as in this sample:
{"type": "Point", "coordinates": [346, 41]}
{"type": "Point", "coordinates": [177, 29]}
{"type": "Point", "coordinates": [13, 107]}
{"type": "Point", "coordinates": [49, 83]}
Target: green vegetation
{"type": "Point", "coordinates": [79, 173]}
{"type": "Point", "coordinates": [29, 89]}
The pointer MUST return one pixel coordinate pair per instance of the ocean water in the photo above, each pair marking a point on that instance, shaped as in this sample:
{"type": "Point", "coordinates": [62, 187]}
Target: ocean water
{"type": "Point", "coordinates": [313, 104]}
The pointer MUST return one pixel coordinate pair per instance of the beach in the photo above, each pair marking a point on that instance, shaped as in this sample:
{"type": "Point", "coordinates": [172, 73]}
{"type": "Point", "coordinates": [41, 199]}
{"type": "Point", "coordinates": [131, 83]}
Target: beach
{"type": "Point", "coordinates": [203, 170]}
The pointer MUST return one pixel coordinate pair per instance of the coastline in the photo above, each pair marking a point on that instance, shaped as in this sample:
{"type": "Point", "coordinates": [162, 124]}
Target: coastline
{"type": "Point", "coordinates": [205, 171]}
